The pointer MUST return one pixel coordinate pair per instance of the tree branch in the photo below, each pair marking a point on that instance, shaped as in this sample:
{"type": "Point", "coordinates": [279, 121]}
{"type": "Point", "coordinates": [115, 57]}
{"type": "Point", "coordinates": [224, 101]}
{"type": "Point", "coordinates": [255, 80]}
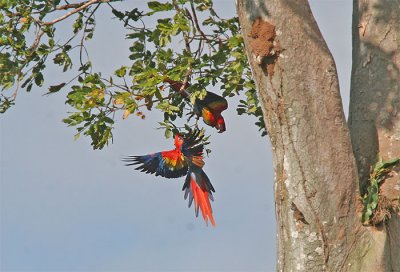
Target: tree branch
{"type": "Point", "coordinates": [81, 7]}
{"type": "Point", "coordinates": [187, 45]}
{"type": "Point", "coordinates": [69, 6]}
{"type": "Point", "coordinates": [196, 21]}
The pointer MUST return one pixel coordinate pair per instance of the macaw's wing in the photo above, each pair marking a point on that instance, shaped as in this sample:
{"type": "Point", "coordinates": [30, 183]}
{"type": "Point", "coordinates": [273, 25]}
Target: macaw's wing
{"type": "Point", "coordinates": [199, 189]}
{"type": "Point", "coordinates": [214, 102]}
{"type": "Point", "coordinates": [192, 147]}
{"type": "Point", "coordinates": [168, 164]}
{"type": "Point", "coordinates": [195, 155]}
{"type": "Point", "coordinates": [192, 139]}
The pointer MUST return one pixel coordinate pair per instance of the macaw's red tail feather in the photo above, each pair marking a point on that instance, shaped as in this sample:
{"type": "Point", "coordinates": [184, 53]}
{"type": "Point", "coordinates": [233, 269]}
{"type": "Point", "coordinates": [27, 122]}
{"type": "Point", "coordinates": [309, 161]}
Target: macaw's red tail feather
{"type": "Point", "coordinates": [201, 201]}
{"type": "Point", "coordinates": [199, 190]}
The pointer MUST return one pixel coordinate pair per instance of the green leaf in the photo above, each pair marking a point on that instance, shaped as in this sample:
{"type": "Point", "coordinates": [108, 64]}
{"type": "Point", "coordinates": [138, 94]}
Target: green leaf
{"type": "Point", "coordinates": [118, 14]}
{"type": "Point", "coordinates": [39, 79]}
{"type": "Point", "coordinates": [166, 107]}
{"type": "Point", "coordinates": [219, 58]}
{"type": "Point", "coordinates": [5, 104]}
{"type": "Point", "coordinates": [78, 23]}
{"type": "Point", "coordinates": [85, 67]}
{"type": "Point", "coordinates": [121, 72]}
{"type": "Point", "coordinates": [390, 163]}
{"type": "Point", "coordinates": [168, 133]}
{"type": "Point", "coordinates": [157, 6]}
{"type": "Point", "coordinates": [56, 88]}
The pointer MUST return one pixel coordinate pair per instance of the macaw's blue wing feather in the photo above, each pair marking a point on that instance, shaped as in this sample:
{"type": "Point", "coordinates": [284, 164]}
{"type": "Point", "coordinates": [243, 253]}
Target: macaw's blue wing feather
{"type": "Point", "coordinates": [168, 164]}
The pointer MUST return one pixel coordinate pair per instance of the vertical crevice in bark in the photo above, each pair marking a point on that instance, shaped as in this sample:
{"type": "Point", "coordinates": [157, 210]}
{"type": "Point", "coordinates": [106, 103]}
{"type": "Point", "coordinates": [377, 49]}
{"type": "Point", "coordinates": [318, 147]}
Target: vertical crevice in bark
{"type": "Point", "coordinates": [316, 175]}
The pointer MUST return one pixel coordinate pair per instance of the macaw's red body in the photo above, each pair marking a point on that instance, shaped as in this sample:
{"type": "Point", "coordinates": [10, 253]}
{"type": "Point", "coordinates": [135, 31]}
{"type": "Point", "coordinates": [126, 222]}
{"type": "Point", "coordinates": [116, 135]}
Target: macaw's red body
{"type": "Point", "coordinates": [185, 159]}
{"type": "Point", "coordinates": [210, 107]}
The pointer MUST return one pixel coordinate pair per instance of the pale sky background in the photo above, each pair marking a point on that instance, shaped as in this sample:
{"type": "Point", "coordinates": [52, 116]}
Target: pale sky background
{"type": "Point", "coordinates": [65, 207]}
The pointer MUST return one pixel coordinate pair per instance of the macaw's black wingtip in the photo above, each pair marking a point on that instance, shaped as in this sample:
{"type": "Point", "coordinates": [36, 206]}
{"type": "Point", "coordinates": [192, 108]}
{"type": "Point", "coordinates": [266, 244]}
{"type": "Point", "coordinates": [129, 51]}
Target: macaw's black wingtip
{"type": "Point", "coordinates": [131, 160]}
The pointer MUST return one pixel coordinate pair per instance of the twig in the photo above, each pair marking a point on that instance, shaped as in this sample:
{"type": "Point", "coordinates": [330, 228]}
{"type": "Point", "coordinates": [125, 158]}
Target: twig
{"type": "Point", "coordinates": [187, 44]}
{"type": "Point", "coordinates": [199, 40]}
{"type": "Point", "coordinates": [196, 22]}
{"type": "Point", "coordinates": [83, 6]}
{"type": "Point", "coordinates": [68, 6]}
{"type": "Point", "coordinates": [126, 22]}
{"type": "Point", "coordinates": [37, 40]}
{"type": "Point", "coordinates": [122, 87]}
{"type": "Point", "coordinates": [82, 46]}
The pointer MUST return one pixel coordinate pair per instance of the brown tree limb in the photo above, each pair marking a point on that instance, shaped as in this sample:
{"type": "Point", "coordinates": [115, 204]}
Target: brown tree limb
{"type": "Point", "coordinates": [81, 7]}
{"type": "Point", "coordinates": [69, 6]}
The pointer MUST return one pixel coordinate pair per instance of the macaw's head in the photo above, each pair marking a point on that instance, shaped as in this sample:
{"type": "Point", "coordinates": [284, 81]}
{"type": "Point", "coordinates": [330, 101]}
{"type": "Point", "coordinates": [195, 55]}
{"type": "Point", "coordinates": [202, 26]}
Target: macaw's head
{"type": "Point", "coordinates": [220, 124]}
{"type": "Point", "coordinates": [178, 141]}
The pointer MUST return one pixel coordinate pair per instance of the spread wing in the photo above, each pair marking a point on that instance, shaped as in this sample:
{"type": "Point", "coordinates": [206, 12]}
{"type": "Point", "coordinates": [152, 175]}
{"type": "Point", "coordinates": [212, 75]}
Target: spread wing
{"type": "Point", "coordinates": [168, 164]}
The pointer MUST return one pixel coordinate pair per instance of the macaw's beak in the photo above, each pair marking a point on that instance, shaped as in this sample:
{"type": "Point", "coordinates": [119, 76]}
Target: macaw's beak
{"type": "Point", "coordinates": [221, 127]}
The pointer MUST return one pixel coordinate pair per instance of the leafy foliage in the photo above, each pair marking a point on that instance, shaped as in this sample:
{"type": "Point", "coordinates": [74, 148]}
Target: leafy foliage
{"type": "Point", "coordinates": [371, 198]}
{"type": "Point", "coordinates": [210, 54]}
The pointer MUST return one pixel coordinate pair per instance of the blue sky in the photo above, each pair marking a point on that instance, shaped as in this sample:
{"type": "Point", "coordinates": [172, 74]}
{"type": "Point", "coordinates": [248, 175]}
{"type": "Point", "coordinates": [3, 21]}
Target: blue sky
{"type": "Point", "coordinates": [65, 207]}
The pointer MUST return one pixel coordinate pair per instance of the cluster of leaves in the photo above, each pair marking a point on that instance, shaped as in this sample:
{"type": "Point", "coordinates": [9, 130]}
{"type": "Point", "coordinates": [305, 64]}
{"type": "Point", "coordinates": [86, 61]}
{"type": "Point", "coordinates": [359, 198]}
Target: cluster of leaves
{"type": "Point", "coordinates": [92, 119]}
{"type": "Point", "coordinates": [371, 198]}
{"type": "Point", "coordinates": [210, 55]}
{"type": "Point", "coordinates": [28, 40]}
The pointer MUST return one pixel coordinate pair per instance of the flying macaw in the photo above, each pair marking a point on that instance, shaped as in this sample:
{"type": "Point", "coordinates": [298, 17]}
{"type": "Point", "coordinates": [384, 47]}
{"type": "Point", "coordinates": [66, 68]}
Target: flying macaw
{"type": "Point", "coordinates": [210, 107]}
{"type": "Point", "coordinates": [185, 159]}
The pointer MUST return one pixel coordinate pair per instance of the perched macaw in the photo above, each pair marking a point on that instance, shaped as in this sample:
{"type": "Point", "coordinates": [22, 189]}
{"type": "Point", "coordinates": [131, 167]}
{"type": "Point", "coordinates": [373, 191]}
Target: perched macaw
{"type": "Point", "coordinates": [185, 159]}
{"type": "Point", "coordinates": [210, 107]}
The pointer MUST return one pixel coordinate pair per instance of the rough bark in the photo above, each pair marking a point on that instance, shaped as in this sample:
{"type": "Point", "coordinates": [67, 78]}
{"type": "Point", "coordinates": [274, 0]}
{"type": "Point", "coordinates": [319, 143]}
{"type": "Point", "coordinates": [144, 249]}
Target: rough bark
{"type": "Point", "coordinates": [316, 179]}
{"type": "Point", "coordinates": [375, 110]}
{"type": "Point", "coordinates": [315, 171]}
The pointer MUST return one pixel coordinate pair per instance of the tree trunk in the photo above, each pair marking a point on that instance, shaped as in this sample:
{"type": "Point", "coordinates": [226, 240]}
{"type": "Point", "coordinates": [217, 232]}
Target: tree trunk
{"type": "Point", "coordinates": [316, 179]}
{"type": "Point", "coordinates": [375, 109]}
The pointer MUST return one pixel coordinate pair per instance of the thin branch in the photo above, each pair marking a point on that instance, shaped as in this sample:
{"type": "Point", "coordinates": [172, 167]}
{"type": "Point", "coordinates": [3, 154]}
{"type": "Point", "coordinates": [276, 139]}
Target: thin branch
{"type": "Point", "coordinates": [187, 44]}
{"type": "Point", "coordinates": [63, 7]}
{"type": "Point", "coordinates": [69, 6]}
{"type": "Point", "coordinates": [83, 6]}
{"type": "Point", "coordinates": [122, 87]}
{"type": "Point", "coordinates": [36, 42]}
{"type": "Point", "coordinates": [200, 40]}
{"type": "Point", "coordinates": [82, 46]}
{"type": "Point", "coordinates": [196, 21]}
{"type": "Point", "coordinates": [155, 100]}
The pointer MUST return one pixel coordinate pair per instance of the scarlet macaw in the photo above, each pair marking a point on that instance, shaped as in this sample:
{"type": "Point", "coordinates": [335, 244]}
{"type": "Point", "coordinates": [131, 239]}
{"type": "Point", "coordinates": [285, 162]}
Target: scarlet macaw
{"type": "Point", "coordinates": [210, 107]}
{"type": "Point", "coordinates": [185, 159]}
